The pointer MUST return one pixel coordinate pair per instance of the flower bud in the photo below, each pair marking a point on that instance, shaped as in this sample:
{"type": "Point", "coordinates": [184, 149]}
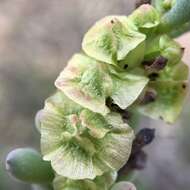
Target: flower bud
{"type": "Point", "coordinates": [27, 165]}
{"type": "Point", "coordinates": [146, 17]}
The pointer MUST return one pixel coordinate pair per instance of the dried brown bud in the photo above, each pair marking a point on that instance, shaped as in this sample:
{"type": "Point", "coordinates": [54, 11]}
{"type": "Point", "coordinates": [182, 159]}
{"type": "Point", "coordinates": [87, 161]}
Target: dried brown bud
{"type": "Point", "coordinates": [115, 108]}
{"type": "Point", "coordinates": [156, 65]}
{"type": "Point", "coordinates": [126, 115]}
{"type": "Point", "coordinates": [182, 50]}
{"type": "Point", "coordinates": [149, 96]}
{"type": "Point", "coordinates": [138, 157]}
{"type": "Point", "coordinates": [159, 63]}
{"type": "Point", "coordinates": [153, 76]}
{"type": "Point", "coordinates": [144, 137]}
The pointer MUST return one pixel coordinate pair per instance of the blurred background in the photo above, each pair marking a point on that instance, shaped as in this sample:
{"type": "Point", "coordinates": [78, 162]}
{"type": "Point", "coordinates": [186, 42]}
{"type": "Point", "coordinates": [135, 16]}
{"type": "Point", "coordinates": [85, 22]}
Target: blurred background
{"type": "Point", "coordinates": [36, 39]}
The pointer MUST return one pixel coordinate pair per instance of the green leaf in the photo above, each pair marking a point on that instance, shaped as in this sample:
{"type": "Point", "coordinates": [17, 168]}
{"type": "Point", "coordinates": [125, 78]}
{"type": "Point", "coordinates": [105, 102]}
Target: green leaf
{"type": "Point", "coordinates": [27, 165]}
{"type": "Point", "coordinates": [169, 100]}
{"type": "Point", "coordinates": [83, 144]}
{"type": "Point", "coordinates": [123, 186]}
{"type": "Point", "coordinates": [145, 17]}
{"type": "Point", "coordinates": [103, 182]}
{"type": "Point", "coordinates": [111, 39]}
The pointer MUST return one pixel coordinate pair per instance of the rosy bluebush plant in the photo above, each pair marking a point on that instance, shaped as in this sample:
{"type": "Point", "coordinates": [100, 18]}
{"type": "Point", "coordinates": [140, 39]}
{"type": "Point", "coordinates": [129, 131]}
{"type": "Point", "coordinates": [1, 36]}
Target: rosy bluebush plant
{"type": "Point", "coordinates": [125, 64]}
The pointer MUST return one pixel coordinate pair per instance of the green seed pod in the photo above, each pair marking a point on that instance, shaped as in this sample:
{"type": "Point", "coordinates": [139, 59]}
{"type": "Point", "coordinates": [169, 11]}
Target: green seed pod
{"type": "Point", "coordinates": [169, 100]}
{"type": "Point", "coordinates": [111, 39]}
{"type": "Point", "coordinates": [89, 82]}
{"type": "Point", "coordinates": [145, 18]}
{"type": "Point", "coordinates": [82, 144]}
{"type": "Point", "coordinates": [27, 165]}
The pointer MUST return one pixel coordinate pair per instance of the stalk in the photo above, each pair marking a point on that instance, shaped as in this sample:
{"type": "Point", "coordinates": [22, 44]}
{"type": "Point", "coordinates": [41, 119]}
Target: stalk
{"type": "Point", "coordinates": [177, 16]}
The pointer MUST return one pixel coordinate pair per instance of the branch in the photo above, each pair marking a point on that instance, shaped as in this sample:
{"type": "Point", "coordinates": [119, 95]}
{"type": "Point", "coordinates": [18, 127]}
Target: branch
{"type": "Point", "coordinates": [178, 15]}
{"type": "Point", "coordinates": [181, 30]}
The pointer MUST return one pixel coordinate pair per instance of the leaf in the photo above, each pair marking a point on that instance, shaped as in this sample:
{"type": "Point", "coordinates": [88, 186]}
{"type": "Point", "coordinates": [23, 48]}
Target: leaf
{"type": "Point", "coordinates": [103, 182]}
{"type": "Point", "coordinates": [111, 39]}
{"type": "Point", "coordinates": [169, 101]}
{"type": "Point", "coordinates": [123, 186]}
{"type": "Point", "coordinates": [84, 144]}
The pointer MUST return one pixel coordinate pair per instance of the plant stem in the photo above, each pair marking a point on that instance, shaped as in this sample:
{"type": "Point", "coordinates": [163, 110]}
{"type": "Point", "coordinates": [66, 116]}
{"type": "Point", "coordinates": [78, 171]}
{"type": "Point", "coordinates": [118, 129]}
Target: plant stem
{"type": "Point", "coordinates": [178, 15]}
{"type": "Point", "coordinates": [181, 30]}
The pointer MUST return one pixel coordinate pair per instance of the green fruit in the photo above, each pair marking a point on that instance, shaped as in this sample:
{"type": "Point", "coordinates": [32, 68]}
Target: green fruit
{"type": "Point", "coordinates": [27, 165]}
